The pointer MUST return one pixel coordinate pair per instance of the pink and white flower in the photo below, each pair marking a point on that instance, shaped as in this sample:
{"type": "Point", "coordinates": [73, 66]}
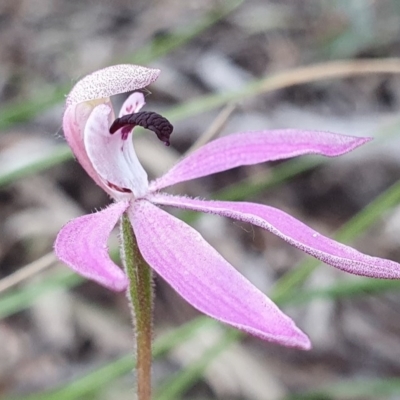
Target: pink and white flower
{"type": "Point", "coordinates": [176, 251]}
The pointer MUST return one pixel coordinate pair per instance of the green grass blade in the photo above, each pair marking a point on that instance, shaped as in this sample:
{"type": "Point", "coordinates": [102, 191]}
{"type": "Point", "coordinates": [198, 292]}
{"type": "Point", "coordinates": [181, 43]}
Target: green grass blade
{"type": "Point", "coordinates": [57, 156]}
{"type": "Point", "coordinates": [245, 189]}
{"type": "Point", "coordinates": [350, 288]}
{"type": "Point", "coordinates": [98, 379]}
{"type": "Point", "coordinates": [285, 290]}
{"type": "Point", "coordinates": [164, 45]}
{"type": "Point", "coordinates": [177, 385]}
{"type": "Point", "coordinates": [21, 299]}
{"type": "Point", "coordinates": [24, 110]}
{"type": "Point", "coordinates": [360, 389]}
{"type": "Point", "coordinates": [349, 231]}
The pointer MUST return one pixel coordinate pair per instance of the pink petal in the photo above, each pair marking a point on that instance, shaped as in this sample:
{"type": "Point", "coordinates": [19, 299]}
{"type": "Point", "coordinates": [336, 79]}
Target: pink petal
{"type": "Point", "coordinates": [206, 280]}
{"type": "Point", "coordinates": [132, 104]}
{"type": "Point", "coordinates": [74, 121]}
{"type": "Point", "coordinates": [255, 147]}
{"type": "Point", "coordinates": [82, 245]}
{"type": "Point", "coordinates": [292, 231]}
{"type": "Point", "coordinates": [113, 156]}
{"type": "Point", "coordinates": [110, 81]}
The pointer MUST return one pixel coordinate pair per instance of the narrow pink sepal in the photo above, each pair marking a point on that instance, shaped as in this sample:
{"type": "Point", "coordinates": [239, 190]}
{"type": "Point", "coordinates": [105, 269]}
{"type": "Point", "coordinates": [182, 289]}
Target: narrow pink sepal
{"type": "Point", "coordinates": [294, 232]}
{"type": "Point", "coordinates": [82, 245]}
{"type": "Point", "coordinates": [74, 121]}
{"type": "Point", "coordinates": [255, 147]}
{"type": "Point", "coordinates": [206, 280]}
{"type": "Point", "coordinates": [111, 81]}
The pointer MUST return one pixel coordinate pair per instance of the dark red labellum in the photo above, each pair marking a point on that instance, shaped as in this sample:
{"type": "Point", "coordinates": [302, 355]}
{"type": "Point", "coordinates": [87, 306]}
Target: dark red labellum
{"type": "Point", "coordinates": [148, 120]}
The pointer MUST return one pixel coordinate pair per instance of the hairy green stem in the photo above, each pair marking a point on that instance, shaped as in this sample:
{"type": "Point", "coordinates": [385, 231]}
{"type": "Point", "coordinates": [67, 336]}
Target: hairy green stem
{"type": "Point", "coordinates": [141, 297]}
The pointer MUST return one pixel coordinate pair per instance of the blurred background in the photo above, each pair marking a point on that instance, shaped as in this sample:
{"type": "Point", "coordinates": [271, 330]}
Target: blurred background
{"type": "Point", "coordinates": [227, 66]}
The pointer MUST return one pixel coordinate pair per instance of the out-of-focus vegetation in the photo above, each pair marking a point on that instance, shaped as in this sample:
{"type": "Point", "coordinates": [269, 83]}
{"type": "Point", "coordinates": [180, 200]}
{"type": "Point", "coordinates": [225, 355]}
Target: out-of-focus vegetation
{"type": "Point", "coordinates": [330, 65]}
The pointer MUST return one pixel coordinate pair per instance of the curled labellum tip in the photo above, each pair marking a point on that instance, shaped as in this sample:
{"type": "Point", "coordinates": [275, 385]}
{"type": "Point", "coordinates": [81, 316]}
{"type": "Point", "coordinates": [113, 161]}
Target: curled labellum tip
{"type": "Point", "coordinates": [148, 120]}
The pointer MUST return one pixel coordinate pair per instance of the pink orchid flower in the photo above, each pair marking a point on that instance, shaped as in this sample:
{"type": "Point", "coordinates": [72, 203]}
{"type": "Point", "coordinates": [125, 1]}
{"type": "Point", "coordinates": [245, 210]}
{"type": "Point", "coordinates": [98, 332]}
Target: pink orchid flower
{"type": "Point", "coordinates": [176, 251]}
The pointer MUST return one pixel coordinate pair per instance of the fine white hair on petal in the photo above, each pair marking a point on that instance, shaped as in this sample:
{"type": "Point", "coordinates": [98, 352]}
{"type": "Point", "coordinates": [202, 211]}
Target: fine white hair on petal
{"type": "Point", "coordinates": [197, 272]}
{"type": "Point", "coordinates": [253, 147]}
{"type": "Point", "coordinates": [292, 231]}
{"type": "Point", "coordinates": [111, 81]}
{"type": "Point", "coordinates": [82, 245]}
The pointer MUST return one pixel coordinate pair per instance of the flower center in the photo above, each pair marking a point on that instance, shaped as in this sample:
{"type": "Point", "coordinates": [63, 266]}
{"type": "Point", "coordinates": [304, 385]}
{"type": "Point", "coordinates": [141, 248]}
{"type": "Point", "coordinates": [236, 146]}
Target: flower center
{"type": "Point", "coordinates": [146, 119]}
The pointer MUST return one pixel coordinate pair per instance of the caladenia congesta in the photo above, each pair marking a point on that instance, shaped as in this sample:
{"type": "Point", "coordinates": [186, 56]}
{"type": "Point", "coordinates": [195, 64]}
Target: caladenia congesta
{"type": "Point", "coordinates": [152, 239]}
